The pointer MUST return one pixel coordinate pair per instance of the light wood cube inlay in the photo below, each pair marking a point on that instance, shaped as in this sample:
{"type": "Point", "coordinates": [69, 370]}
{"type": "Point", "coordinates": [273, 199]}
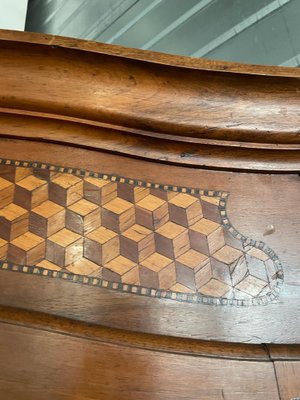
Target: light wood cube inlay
{"type": "Point", "coordinates": [47, 219]}
{"type": "Point", "coordinates": [48, 265]}
{"type": "Point", "coordinates": [213, 276]}
{"type": "Point", "coordinates": [137, 243]}
{"type": "Point", "coordinates": [152, 212]}
{"type": "Point", "coordinates": [14, 221]}
{"type": "Point", "coordinates": [132, 193]}
{"type": "Point", "coordinates": [83, 217]}
{"type": "Point", "coordinates": [99, 191]}
{"type": "Point", "coordinates": [215, 288]}
{"type": "Point", "coordinates": [85, 267]}
{"type": "Point", "coordinates": [251, 285]}
{"type": "Point", "coordinates": [185, 209]}
{"type": "Point", "coordinates": [163, 194]}
{"type": "Point", "coordinates": [13, 173]}
{"type": "Point", "coordinates": [158, 271]}
{"type": "Point", "coordinates": [178, 287]}
{"type": "Point", "coordinates": [227, 254]}
{"type": "Point", "coordinates": [6, 192]}
{"type": "Point", "coordinates": [26, 249]}
{"type": "Point", "coordinates": [64, 247]}
{"type": "Point", "coordinates": [65, 189]}
{"type": "Point", "coordinates": [118, 215]}
{"type": "Point", "coordinates": [122, 270]}
{"type": "Point", "coordinates": [3, 249]}
{"type": "Point", "coordinates": [172, 240]}
{"type": "Point", "coordinates": [206, 236]}
{"type": "Point", "coordinates": [187, 265]}
{"type": "Point", "coordinates": [210, 208]}
{"type": "Point", "coordinates": [101, 245]}
{"type": "Point", "coordinates": [30, 192]}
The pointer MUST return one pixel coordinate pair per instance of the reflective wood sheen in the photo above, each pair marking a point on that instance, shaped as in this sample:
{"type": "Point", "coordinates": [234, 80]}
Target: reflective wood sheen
{"type": "Point", "coordinates": [200, 113]}
{"type": "Point", "coordinates": [181, 122]}
{"type": "Point", "coordinates": [126, 311]}
{"type": "Point", "coordinates": [90, 370]}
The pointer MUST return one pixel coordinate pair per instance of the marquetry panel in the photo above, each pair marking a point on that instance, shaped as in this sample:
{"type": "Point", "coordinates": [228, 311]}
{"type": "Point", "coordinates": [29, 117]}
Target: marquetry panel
{"type": "Point", "coordinates": [6, 192]}
{"type": "Point", "coordinates": [14, 221]}
{"type": "Point", "coordinates": [135, 236]}
{"type": "Point", "coordinates": [26, 249]}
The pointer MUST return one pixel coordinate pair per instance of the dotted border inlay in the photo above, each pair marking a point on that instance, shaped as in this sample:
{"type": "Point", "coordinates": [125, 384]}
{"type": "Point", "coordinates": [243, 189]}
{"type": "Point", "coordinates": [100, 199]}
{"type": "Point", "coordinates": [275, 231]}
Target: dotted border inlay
{"type": "Point", "coordinates": [140, 290]}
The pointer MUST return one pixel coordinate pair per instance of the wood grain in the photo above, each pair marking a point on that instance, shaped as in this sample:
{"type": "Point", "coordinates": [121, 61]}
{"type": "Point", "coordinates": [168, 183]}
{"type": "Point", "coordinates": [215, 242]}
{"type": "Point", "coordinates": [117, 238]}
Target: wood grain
{"type": "Point", "coordinates": [144, 255]}
{"type": "Point", "coordinates": [214, 109]}
{"type": "Point", "coordinates": [161, 343]}
{"type": "Point", "coordinates": [288, 373]}
{"type": "Point", "coordinates": [251, 211]}
{"type": "Point", "coordinates": [87, 369]}
{"type": "Point", "coordinates": [158, 118]}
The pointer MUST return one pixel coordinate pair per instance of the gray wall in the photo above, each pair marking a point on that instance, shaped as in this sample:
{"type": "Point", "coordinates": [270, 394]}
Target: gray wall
{"type": "Point", "coordinates": [251, 31]}
{"type": "Point", "coordinates": [13, 14]}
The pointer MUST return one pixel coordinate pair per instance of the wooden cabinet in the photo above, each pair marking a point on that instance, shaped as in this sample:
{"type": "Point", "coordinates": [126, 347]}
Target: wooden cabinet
{"type": "Point", "coordinates": [149, 224]}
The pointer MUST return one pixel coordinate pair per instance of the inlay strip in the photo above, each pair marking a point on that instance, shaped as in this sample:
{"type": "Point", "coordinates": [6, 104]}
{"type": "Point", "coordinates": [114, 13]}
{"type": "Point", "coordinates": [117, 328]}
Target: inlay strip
{"type": "Point", "coordinates": [130, 235]}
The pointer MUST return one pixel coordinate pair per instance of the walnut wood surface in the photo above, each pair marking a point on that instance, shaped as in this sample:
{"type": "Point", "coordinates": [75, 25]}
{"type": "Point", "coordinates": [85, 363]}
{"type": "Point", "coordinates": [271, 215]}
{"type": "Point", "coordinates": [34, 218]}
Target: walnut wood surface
{"type": "Point", "coordinates": [194, 115]}
{"type": "Point", "coordinates": [107, 353]}
{"type": "Point", "coordinates": [136, 236]}
{"type": "Point", "coordinates": [288, 373]}
{"type": "Point", "coordinates": [251, 211]}
{"type": "Point", "coordinates": [183, 122]}
{"type": "Point", "coordinates": [167, 344]}
{"type": "Point", "coordinates": [66, 367]}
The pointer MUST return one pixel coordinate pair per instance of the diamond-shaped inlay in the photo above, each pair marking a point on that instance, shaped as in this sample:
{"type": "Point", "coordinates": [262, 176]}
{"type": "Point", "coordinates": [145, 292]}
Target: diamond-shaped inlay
{"type": "Point", "coordinates": [130, 235]}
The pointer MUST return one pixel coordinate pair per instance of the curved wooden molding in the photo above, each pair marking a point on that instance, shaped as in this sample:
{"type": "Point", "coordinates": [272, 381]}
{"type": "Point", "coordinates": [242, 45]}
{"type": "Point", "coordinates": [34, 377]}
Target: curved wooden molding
{"type": "Point", "coordinates": [100, 356]}
{"type": "Point", "coordinates": [143, 104]}
{"type": "Point", "coordinates": [200, 348]}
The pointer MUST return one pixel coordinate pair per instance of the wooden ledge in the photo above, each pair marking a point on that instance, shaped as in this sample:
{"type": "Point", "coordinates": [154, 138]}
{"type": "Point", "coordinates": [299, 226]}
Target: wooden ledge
{"type": "Point", "coordinates": [133, 339]}
{"type": "Point", "coordinates": [165, 344]}
{"type": "Point", "coordinates": [148, 105]}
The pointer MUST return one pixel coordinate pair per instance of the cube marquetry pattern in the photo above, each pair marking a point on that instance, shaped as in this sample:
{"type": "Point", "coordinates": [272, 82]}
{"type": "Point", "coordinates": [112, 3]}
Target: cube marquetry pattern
{"type": "Point", "coordinates": [6, 192]}
{"type": "Point", "coordinates": [26, 249]}
{"type": "Point", "coordinates": [101, 245]}
{"type": "Point", "coordinates": [137, 243]}
{"type": "Point", "coordinates": [83, 217]}
{"type": "Point", "coordinates": [3, 249]}
{"type": "Point", "coordinates": [124, 232]}
{"type": "Point", "coordinates": [65, 189]}
{"type": "Point", "coordinates": [121, 269]}
{"type": "Point", "coordinates": [64, 247]}
{"type": "Point", "coordinates": [14, 221]}
{"type": "Point", "coordinates": [47, 219]}
{"type": "Point", "coordinates": [30, 192]}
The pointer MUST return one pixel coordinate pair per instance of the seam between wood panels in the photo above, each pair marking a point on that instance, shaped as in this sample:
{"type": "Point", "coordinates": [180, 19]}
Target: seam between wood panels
{"type": "Point", "coordinates": [267, 350]}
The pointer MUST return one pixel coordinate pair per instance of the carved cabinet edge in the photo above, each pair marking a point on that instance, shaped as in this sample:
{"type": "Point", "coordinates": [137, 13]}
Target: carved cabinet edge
{"type": "Point", "coordinates": [169, 109]}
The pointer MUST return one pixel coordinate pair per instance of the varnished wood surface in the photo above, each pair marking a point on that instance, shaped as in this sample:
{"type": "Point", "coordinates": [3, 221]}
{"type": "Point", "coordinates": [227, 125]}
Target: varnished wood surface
{"type": "Point", "coordinates": [161, 343]}
{"type": "Point", "coordinates": [148, 116]}
{"type": "Point", "coordinates": [217, 155]}
{"type": "Point", "coordinates": [288, 373]}
{"type": "Point", "coordinates": [56, 358]}
{"type": "Point", "coordinates": [134, 236]}
{"type": "Point", "coordinates": [153, 56]}
{"type": "Point", "coordinates": [252, 209]}
{"type": "Point", "coordinates": [198, 117]}
{"type": "Point", "coordinates": [65, 367]}
{"type": "Point", "coordinates": [284, 352]}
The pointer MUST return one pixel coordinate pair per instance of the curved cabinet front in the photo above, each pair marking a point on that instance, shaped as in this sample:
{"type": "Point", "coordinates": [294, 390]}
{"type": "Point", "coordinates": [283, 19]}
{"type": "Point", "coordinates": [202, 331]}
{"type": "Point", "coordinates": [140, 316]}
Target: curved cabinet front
{"type": "Point", "coordinates": [144, 217]}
